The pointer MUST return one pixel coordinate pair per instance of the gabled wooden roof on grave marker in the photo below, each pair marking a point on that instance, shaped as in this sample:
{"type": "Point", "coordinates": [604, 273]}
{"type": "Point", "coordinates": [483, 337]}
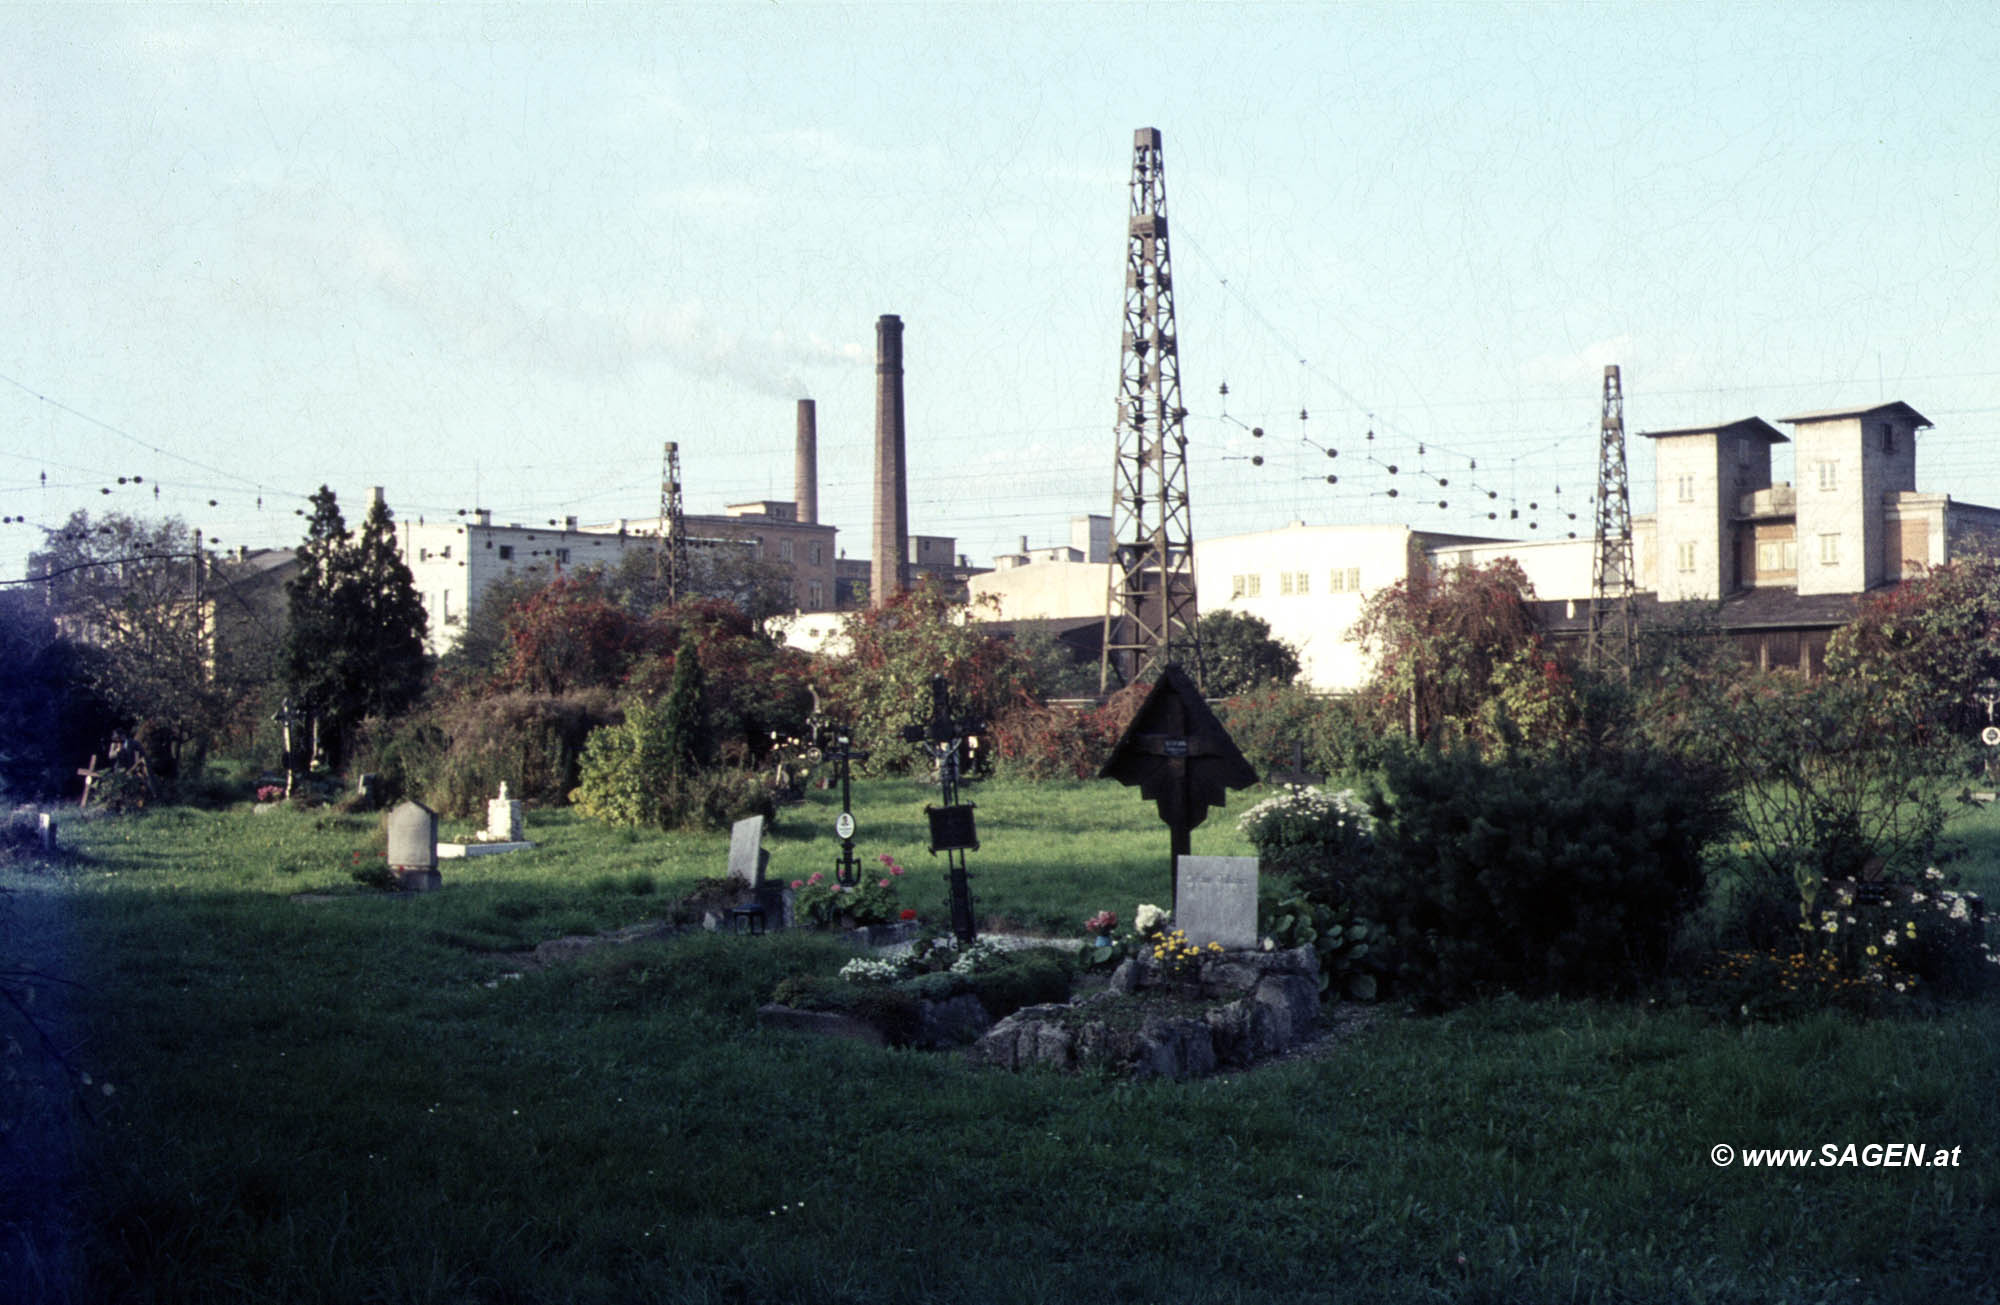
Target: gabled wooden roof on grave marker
{"type": "Point", "coordinates": [1183, 783]}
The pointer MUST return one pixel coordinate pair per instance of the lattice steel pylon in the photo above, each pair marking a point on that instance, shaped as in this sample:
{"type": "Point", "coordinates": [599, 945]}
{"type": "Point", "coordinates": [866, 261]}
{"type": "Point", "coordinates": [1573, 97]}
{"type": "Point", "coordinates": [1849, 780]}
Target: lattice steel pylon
{"type": "Point", "coordinates": [1149, 617]}
{"type": "Point", "coordinates": [1613, 633]}
{"type": "Point", "coordinates": [670, 558]}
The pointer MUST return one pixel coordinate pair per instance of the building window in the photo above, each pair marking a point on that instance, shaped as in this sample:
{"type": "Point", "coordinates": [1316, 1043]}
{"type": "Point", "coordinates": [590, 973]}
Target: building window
{"type": "Point", "coordinates": [815, 594]}
{"type": "Point", "coordinates": [1285, 583]}
{"type": "Point", "coordinates": [1829, 473]}
{"type": "Point", "coordinates": [1685, 556]}
{"type": "Point", "coordinates": [1344, 580]}
{"type": "Point", "coordinates": [1775, 556]}
{"type": "Point", "coordinates": [784, 550]}
{"type": "Point", "coordinates": [1684, 489]}
{"type": "Point", "coordinates": [562, 556]}
{"type": "Point", "coordinates": [1245, 586]}
{"type": "Point", "coordinates": [813, 554]}
{"type": "Point", "coordinates": [1888, 438]}
{"type": "Point", "coordinates": [506, 552]}
{"type": "Point", "coordinates": [1829, 550]}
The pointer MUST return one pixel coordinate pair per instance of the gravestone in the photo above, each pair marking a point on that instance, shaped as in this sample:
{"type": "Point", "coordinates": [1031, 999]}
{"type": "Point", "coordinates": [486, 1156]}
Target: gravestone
{"type": "Point", "coordinates": [1216, 900]}
{"type": "Point", "coordinates": [413, 833]}
{"type": "Point", "coordinates": [747, 857]}
{"type": "Point", "coordinates": [503, 819]}
{"type": "Point", "coordinates": [368, 790]}
{"type": "Point", "coordinates": [47, 828]}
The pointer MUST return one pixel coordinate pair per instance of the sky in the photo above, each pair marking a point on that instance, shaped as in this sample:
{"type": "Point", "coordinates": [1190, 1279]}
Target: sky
{"type": "Point", "coordinates": [495, 256]}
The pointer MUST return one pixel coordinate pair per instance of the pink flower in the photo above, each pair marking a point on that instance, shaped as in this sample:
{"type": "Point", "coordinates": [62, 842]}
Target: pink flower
{"type": "Point", "coordinates": [895, 869]}
{"type": "Point", "coordinates": [817, 876]}
{"type": "Point", "coordinates": [798, 883]}
{"type": "Point", "coordinates": [886, 859]}
{"type": "Point", "coordinates": [883, 884]}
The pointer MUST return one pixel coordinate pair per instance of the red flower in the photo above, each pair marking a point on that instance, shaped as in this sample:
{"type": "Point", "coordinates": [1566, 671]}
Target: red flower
{"type": "Point", "coordinates": [908, 913]}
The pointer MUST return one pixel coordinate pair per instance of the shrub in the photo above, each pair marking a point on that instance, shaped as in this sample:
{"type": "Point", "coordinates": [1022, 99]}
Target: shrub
{"type": "Point", "coordinates": [1334, 735]}
{"type": "Point", "coordinates": [456, 757]}
{"type": "Point", "coordinates": [1348, 965]}
{"type": "Point", "coordinates": [1535, 874]}
{"type": "Point", "coordinates": [1318, 838]}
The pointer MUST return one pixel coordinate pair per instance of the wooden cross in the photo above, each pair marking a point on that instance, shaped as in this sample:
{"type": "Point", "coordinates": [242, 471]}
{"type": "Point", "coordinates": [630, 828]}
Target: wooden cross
{"type": "Point", "coordinates": [1298, 777]}
{"type": "Point", "coordinates": [90, 774]}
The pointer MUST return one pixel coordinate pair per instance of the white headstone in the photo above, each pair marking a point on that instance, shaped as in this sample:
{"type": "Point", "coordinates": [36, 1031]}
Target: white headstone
{"type": "Point", "coordinates": [503, 820]}
{"type": "Point", "coordinates": [1216, 900]}
{"type": "Point", "coordinates": [48, 832]}
{"type": "Point", "coordinates": [746, 851]}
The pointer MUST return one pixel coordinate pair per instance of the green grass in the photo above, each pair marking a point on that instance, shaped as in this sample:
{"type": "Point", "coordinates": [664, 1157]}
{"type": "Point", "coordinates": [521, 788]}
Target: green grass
{"type": "Point", "coordinates": [341, 1098]}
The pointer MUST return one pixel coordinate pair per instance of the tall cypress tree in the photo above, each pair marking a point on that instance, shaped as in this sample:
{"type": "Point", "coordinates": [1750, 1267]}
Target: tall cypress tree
{"type": "Point", "coordinates": [356, 643]}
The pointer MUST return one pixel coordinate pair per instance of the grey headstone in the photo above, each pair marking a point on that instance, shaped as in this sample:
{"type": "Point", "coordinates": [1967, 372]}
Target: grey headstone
{"type": "Point", "coordinates": [47, 827]}
{"type": "Point", "coordinates": [1217, 900]}
{"type": "Point", "coordinates": [412, 829]}
{"type": "Point", "coordinates": [747, 857]}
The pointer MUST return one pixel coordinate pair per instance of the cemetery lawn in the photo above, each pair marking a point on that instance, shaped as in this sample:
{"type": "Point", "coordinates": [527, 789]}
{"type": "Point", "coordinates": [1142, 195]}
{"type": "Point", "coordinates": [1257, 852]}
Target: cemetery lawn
{"type": "Point", "coordinates": [305, 1091]}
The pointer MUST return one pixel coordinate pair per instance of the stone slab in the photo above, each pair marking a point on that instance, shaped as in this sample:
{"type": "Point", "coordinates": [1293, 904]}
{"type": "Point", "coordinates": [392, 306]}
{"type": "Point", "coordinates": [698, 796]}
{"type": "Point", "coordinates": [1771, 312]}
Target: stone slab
{"type": "Point", "coordinates": [456, 851]}
{"type": "Point", "coordinates": [1216, 900]}
{"type": "Point", "coordinates": [747, 857]}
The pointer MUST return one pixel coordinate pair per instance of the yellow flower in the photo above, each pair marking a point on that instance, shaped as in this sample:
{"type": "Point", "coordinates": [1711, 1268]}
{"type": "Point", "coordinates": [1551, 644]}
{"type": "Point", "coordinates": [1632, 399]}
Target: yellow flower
{"type": "Point", "coordinates": [1871, 949]}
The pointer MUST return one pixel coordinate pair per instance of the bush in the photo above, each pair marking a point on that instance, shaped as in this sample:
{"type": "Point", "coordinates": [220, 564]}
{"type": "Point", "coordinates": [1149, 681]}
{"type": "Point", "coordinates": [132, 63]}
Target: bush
{"type": "Point", "coordinates": [1348, 964]}
{"type": "Point", "coordinates": [1334, 735]}
{"type": "Point", "coordinates": [1320, 839]}
{"type": "Point", "coordinates": [1535, 874]}
{"type": "Point", "coordinates": [455, 758]}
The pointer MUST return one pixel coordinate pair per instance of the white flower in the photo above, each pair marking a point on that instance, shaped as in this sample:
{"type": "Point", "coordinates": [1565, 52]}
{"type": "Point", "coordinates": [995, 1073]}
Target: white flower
{"type": "Point", "coordinates": [865, 970]}
{"type": "Point", "coordinates": [1889, 938]}
{"type": "Point", "coordinates": [1148, 917]}
{"type": "Point", "coordinates": [1933, 872]}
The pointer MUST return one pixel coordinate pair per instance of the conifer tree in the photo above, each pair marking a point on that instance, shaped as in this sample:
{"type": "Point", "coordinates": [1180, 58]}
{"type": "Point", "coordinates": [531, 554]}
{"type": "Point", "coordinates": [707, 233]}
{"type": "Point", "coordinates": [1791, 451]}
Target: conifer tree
{"type": "Point", "coordinates": [356, 643]}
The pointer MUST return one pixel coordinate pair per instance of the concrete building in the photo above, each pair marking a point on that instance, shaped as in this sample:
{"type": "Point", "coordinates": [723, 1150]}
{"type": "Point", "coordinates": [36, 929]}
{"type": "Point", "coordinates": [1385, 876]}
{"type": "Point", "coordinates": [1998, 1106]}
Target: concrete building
{"type": "Point", "coordinates": [1781, 565]}
{"type": "Point", "coordinates": [454, 564]}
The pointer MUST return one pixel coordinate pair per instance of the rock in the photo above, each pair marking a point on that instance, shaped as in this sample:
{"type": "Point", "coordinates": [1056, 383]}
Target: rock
{"type": "Point", "coordinates": [953, 1023]}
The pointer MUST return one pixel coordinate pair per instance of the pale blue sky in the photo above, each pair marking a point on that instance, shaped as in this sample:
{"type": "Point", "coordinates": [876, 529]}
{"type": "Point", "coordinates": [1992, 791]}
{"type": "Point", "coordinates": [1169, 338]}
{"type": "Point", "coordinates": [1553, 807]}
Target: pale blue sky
{"type": "Point", "coordinates": [498, 255]}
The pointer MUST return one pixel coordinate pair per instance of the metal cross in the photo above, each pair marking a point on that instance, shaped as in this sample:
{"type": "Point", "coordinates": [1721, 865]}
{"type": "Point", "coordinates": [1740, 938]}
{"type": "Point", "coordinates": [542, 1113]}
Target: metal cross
{"type": "Point", "coordinates": [946, 737]}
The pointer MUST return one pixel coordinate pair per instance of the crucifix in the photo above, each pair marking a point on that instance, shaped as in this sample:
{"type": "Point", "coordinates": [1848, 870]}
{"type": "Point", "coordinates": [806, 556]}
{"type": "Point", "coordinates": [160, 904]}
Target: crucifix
{"type": "Point", "coordinates": [1298, 777]}
{"type": "Point", "coordinates": [837, 747]}
{"type": "Point", "coordinates": [947, 738]}
{"type": "Point", "coordinates": [90, 774]}
{"type": "Point", "coordinates": [1178, 754]}
{"type": "Point", "coordinates": [288, 716]}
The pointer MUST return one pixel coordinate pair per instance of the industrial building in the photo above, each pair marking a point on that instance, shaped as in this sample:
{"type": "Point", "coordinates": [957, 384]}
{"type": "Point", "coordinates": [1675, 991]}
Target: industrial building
{"type": "Point", "coordinates": [1782, 564]}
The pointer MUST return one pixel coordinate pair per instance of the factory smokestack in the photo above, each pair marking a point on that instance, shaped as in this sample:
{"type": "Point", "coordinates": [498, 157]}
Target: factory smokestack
{"type": "Point", "coordinates": [887, 575]}
{"type": "Point", "coordinates": [805, 465]}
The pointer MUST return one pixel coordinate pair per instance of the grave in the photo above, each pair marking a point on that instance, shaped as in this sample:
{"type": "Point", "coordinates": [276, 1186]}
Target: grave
{"type": "Point", "coordinates": [413, 847]}
{"type": "Point", "coordinates": [768, 904]}
{"type": "Point", "coordinates": [1216, 900]}
{"type": "Point", "coordinates": [505, 831]}
{"type": "Point", "coordinates": [503, 819]}
{"type": "Point", "coordinates": [46, 828]}
{"type": "Point", "coordinates": [1178, 754]}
